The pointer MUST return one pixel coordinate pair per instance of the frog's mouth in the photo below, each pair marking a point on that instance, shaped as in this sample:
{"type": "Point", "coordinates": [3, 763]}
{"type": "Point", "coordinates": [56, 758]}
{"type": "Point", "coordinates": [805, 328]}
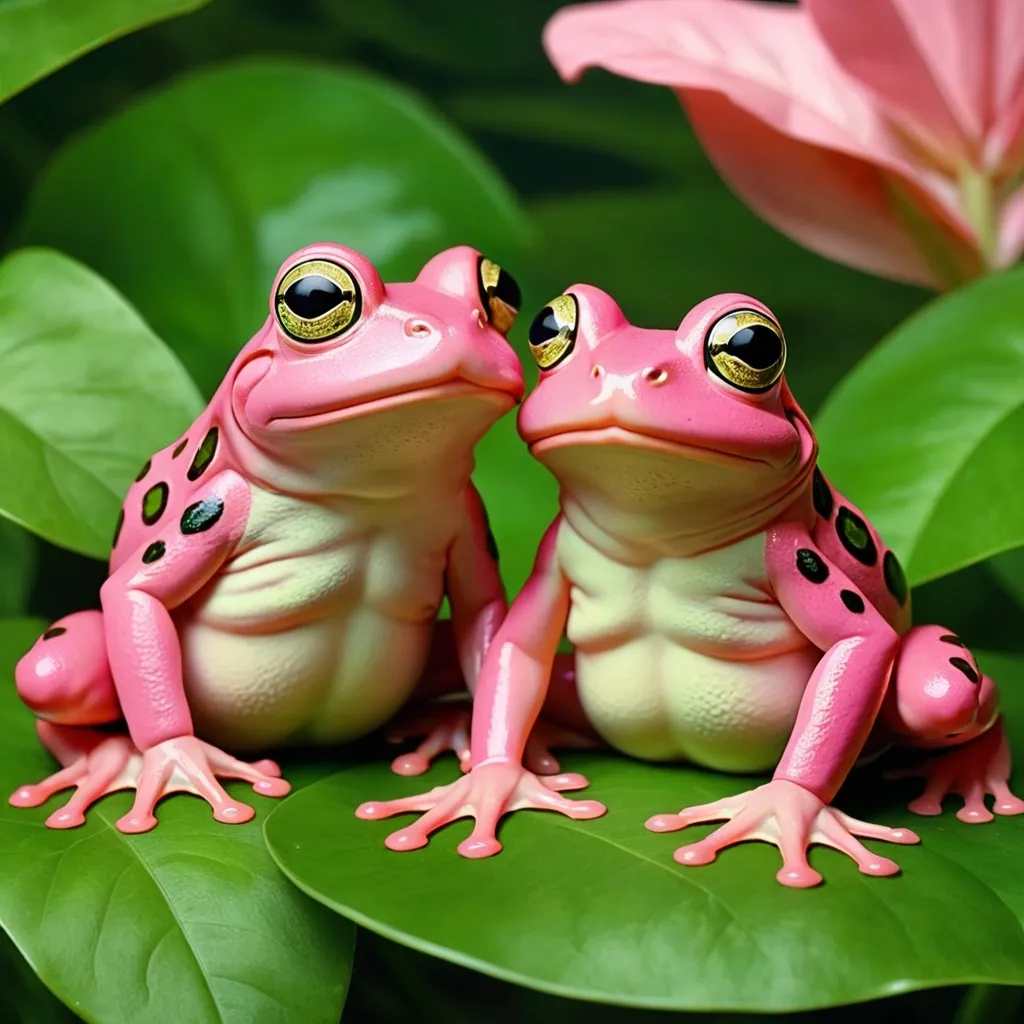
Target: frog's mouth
{"type": "Point", "coordinates": [455, 390]}
{"type": "Point", "coordinates": [632, 438]}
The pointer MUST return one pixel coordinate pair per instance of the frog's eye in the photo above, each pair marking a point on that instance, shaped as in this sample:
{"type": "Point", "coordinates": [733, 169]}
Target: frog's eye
{"type": "Point", "coordinates": [499, 295]}
{"type": "Point", "coordinates": [317, 300]}
{"type": "Point", "coordinates": [553, 331]}
{"type": "Point", "coordinates": [747, 350]}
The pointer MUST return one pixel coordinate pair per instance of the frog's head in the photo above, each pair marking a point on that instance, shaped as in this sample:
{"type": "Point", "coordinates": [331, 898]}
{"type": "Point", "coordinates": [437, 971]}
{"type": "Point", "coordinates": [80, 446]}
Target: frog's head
{"type": "Point", "coordinates": [692, 422]}
{"type": "Point", "coordinates": [397, 375]}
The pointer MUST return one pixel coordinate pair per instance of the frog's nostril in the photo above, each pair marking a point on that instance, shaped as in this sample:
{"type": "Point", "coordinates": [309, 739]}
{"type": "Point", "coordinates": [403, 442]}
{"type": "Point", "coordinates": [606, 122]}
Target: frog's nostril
{"type": "Point", "coordinates": [655, 375]}
{"type": "Point", "coordinates": [418, 328]}
{"type": "Point", "coordinates": [597, 372]}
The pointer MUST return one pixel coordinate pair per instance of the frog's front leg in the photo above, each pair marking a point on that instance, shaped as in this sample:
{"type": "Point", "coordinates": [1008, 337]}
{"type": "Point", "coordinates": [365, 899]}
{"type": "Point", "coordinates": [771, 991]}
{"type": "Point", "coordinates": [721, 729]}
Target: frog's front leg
{"type": "Point", "coordinates": [141, 644]}
{"type": "Point", "coordinates": [513, 685]}
{"type": "Point", "coordinates": [834, 720]}
{"type": "Point", "coordinates": [479, 606]}
{"type": "Point", "coordinates": [939, 699]}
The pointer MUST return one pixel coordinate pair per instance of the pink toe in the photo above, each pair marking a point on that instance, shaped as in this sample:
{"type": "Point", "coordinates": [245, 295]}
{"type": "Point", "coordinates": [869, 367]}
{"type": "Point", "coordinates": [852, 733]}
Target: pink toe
{"type": "Point", "coordinates": [694, 856]}
{"type": "Point", "coordinates": [475, 849]}
{"type": "Point", "coordinates": [547, 765]}
{"type": "Point", "coordinates": [234, 814]}
{"type": "Point", "coordinates": [584, 809]}
{"type": "Point", "coordinates": [664, 823]}
{"type": "Point", "coordinates": [410, 764]}
{"type": "Point", "coordinates": [405, 840]}
{"type": "Point", "coordinates": [272, 788]}
{"type": "Point", "coordinates": [135, 824]}
{"type": "Point", "coordinates": [880, 867]}
{"type": "Point", "coordinates": [798, 878]}
{"type": "Point", "coordinates": [268, 767]}
{"type": "Point", "coordinates": [370, 811]}
{"type": "Point", "coordinates": [926, 807]}
{"type": "Point", "coordinates": [904, 836]}
{"type": "Point", "coordinates": [567, 780]}
{"type": "Point", "coordinates": [64, 818]}
{"type": "Point", "coordinates": [1014, 806]}
{"type": "Point", "coordinates": [975, 815]}
{"type": "Point", "coordinates": [27, 796]}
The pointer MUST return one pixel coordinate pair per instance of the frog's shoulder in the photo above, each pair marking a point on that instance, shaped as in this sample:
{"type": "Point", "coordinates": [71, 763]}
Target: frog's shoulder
{"type": "Point", "coordinates": [849, 540]}
{"type": "Point", "coordinates": [168, 484]}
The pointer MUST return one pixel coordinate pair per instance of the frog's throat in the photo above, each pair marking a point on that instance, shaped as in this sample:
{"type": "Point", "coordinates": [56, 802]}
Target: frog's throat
{"type": "Point", "coordinates": [651, 495]}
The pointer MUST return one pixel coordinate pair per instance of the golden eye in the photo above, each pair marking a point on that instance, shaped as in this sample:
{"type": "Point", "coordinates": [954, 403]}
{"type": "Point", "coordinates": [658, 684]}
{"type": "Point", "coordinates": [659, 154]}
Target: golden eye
{"type": "Point", "coordinates": [499, 294]}
{"type": "Point", "coordinates": [747, 350]}
{"type": "Point", "coordinates": [553, 331]}
{"type": "Point", "coordinates": [317, 300]}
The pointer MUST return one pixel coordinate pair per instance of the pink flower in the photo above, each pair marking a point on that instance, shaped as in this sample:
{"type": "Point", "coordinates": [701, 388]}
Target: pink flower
{"type": "Point", "coordinates": [886, 134]}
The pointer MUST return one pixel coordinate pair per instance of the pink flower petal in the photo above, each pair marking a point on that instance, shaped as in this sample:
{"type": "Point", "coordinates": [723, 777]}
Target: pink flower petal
{"type": "Point", "coordinates": [835, 204]}
{"type": "Point", "coordinates": [767, 59]}
{"type": "Point", "coordinates": [1011, 230]}
{"type": "Point", "coordinates": [824, 156]}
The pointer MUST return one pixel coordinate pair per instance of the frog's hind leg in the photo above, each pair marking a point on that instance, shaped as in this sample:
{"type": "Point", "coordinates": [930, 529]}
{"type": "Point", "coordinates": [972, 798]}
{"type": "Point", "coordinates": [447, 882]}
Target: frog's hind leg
{"type": "Point", "coordinates": [65, 678]}
{"type": "Point", "coordinates": [939, 699]}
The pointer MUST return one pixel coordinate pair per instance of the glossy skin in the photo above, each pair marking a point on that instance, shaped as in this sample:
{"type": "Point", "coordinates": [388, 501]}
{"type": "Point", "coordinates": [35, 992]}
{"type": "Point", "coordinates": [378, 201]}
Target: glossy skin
{"type": "Point", "coordinates": [727, 607]}
{"type": "Point", "coordinates": [279, 568]}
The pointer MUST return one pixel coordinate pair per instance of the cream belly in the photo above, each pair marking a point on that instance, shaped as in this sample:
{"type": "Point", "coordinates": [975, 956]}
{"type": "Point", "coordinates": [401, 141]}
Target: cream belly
{"type": "Point", "coordinates": [319, 627]}
{"type": "Point", "coordinates": [685, 658]}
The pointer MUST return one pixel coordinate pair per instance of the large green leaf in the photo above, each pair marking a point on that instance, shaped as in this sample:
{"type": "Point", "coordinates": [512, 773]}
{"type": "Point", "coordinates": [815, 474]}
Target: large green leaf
{"type": "Point", "coordinates": [599, 910]}
{"type": "Point", "coordinates": [39, 36]}
{"type": "Point", "coordinates": [189, 200]}
{"type": "Point", "coordinates": [925, 434]}
{"type": "Point", "coordinates": [87, 392]}
{"type": "Point", "coordinates": [191, 922]}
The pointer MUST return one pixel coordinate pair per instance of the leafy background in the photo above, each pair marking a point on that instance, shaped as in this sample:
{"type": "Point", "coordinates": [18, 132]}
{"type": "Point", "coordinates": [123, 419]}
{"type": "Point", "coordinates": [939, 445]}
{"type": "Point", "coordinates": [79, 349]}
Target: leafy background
{"type": "Point", "coordinates": [169, 170]}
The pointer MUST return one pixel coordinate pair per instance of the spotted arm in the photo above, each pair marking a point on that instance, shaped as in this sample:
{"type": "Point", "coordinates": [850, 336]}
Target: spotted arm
{"type": "Point", "coordinates": [137, 600]}
{"type": "Point", "coordinates": [846, 689]}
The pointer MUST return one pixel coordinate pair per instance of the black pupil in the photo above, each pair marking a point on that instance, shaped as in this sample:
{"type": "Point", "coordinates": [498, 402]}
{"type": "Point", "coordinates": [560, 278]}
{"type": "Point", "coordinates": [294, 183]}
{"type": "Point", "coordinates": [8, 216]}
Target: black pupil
{"type": "Point", "coordinates": [314, 295]}
{"type": "Point", "coordinates": [507, 290]}
{"type": "Point", "coordinates": [544, 327]}
{"type": "Point", "coordinates": [758, 346]}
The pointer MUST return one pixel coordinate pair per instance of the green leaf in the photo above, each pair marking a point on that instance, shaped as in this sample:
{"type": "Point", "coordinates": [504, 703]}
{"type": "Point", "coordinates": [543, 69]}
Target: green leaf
{"type": "Point", "coordinates": [22, 993]}
{"type": "Point", "coordinates": [191, 922]}
{"type": "Point", "coordinates": [631, 123]}
{"type": "Point", "coordinates": [189, 200]}
{"type": "Point", "coordinates": [599, 910]}
{"type": "Point", "coordinates": [18, 557]}
{"type": "Point", "coordinates": [1008, 569]}
{"type": "Point", "coordinates": [925, 434]}
{"type": "Point", "coordinates": [39, 36]}
{"type": "Point", "coordinates": [87, 392]}
{"type": "Point", "coordinates": [483, 40]}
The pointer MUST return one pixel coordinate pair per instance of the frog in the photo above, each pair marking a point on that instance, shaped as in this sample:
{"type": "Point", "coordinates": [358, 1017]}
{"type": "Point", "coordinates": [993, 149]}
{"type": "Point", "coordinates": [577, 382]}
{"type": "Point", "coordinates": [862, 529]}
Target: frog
{"type": "Point", "coordinates": [276, 571]}
{"type": "Point", "coordinates": [726, 606]}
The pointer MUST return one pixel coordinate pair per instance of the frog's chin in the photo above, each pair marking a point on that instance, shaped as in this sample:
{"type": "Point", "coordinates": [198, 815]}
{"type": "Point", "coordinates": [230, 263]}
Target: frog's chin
{"type": "Point", "coordinates": [638, 487]}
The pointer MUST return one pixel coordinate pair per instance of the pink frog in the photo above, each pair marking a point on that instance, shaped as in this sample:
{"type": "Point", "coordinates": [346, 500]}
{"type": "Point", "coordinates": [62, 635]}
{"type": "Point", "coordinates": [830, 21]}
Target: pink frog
{"type": "Point", "coordinates": [276, 572]}
{"type": "Point", "coordinates": [727, 606]}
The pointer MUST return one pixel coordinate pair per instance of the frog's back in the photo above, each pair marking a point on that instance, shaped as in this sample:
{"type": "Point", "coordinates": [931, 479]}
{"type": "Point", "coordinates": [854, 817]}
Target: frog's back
{"type": "Point", "coordinates": [167, 485]}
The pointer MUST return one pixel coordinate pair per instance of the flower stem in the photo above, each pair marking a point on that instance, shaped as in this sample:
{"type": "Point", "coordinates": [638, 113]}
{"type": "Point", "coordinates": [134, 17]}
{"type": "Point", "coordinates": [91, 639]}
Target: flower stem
{"type": "Point", "coordinates": [978, 199]}
{"type": "Point", "coordinates": [989, 1004]}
